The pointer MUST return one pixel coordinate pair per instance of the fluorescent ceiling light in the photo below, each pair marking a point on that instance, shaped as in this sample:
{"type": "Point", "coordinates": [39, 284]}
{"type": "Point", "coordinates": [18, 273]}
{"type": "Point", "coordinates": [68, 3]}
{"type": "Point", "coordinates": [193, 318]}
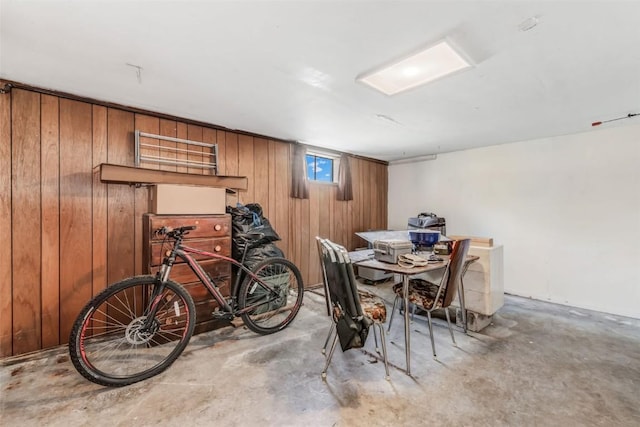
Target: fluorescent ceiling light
{"type": "Point", "coordinates": [423, 67]}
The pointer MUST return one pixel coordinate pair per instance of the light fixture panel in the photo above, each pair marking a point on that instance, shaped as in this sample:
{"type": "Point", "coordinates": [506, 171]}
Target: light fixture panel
{"type": "Point", "coordinates": [437, 61]}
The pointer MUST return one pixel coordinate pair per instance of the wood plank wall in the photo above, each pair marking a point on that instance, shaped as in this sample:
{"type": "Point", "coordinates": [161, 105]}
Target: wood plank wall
{"type": "Point", "coordinates": [65, 235]}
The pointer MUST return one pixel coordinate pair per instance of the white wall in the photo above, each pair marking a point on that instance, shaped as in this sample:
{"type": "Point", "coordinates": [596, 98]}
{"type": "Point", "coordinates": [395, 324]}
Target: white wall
{"type": "Point", "coordinates": [566, 209]}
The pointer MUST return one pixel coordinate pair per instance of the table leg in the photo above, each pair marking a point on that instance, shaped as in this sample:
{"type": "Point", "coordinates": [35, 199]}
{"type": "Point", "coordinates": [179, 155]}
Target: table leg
{"type": "Point", "coordinates": [407, 327]}
{"type": "Point", "coordinates": [463, 309]}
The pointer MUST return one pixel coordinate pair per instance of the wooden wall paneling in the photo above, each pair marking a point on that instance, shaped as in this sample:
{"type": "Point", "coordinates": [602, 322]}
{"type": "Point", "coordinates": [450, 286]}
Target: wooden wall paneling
{"type": "Point", "coordinates": [367, 185]}
{"type": "Point", "coordinates": [194, 133]}
{"type": "Point", "coordinates": [279, 195]}
{"type": "Point", "coordinates": [246, 167]}
{"type": "Point", "coordinates": [147, 124]}
{"type": "Point", "coordinates": [304, 235]}
{"type": "Point", "coordinates": [385, 201]}
{"type": "Point", "coordinates": [261, 174]}
{"type": "Point", "coordinates": [99, 203]}
{"type": "Point", "coordinates": [120, 199]}
{"type": "Point", "coordinates": [381, 188]}
{"type": "Point", "coordinates": [325, 219]}
{"type": "Point", "coordinates": [6, 264]}
{"type": "Point", "coordinates": [271, 171]}
{"type": "Point", "coordinates": [209, 136]}
{"type": "Point", "coordinates": [382, 195]}
{"type": "Point", "coordinates": [168, 128]}
{"type": "Point", "coordinates": [293, 234]}
{"type": "Point", "coordinates": [314, 230]}
{"type": "Point", "coordinates": [295, 221]}
{"type": "Point", "coordinates": [26, 228]}
{"type": "Point", "coordinates": [76, 207]}
{"type": "Point", "coordinates": [182, 133]}
{"type": "Point", "coordinates": [335, 207]}
{"type": "Point", "coordinates": [221, 140]}
{"type": "Point", "coordinates": [355, 182]}
{"type": "Point", "coordinates": [353, 207]}
{"type": "Point", "coordinates": [222, 149]}
{"type": "Point", "coordinates": [374, 181]}
{"type": "Point", "coordinates": [326, 210]}
{"type": "Point", "coordinates": [348, 224]}
{"type": "Point", "coordinates": [231, 154]}
{"type": "Point", "coordinates": [50, 219]}
{"type": "Point", "coordinates": [231, 162]}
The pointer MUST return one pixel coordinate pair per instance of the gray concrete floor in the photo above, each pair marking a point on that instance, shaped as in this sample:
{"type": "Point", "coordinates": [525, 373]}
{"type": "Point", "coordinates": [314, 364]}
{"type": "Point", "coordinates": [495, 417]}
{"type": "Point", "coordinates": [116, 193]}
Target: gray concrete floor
{"type": "Point", "coordinates": [538, 364]}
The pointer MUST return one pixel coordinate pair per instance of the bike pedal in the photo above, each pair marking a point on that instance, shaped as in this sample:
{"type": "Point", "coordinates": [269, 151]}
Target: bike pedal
{"type": "Point", "coordinates": [222, 315]}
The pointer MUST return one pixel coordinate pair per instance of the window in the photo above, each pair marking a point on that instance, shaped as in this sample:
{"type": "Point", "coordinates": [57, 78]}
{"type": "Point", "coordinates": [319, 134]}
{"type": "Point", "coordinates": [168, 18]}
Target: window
{"type": "Point", "coordinates": [321, 168]}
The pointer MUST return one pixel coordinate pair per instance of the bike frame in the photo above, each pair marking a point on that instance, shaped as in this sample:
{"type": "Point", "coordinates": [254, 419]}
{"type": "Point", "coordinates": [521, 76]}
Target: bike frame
{"type": "Point", "coordinates": [185, 253]}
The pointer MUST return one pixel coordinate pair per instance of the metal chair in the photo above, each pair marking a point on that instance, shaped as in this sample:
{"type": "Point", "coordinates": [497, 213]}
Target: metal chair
{"type": "Point", "coordinates": [349, 305]}
{"type": "Point", "coordinates": [429, 296]}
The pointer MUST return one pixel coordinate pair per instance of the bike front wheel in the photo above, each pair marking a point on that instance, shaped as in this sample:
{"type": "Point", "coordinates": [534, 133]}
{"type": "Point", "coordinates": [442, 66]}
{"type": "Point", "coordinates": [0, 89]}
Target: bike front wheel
{"type": "Point", "coordinates": [271, 303]}
{"type": "Point", "coordinates": [113, 343]}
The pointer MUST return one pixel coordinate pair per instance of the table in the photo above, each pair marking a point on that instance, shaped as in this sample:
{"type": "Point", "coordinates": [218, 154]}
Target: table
{"type": "Point", "coordinates": [372, 236]}
{"type": "Point", "coordinates": [412, 271]}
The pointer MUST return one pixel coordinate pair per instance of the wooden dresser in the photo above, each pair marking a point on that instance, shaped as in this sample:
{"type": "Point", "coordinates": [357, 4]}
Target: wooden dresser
{"type": "Point", "coordinates": [213, 234]}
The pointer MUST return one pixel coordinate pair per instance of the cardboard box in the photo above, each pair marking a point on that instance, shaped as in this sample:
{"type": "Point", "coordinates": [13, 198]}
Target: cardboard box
{"type": "Point", "coordinates": [169, 199]}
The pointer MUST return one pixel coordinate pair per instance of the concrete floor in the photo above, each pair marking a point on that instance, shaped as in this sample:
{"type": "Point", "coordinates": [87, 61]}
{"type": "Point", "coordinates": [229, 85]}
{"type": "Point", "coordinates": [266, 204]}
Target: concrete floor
{"type": "Point", "coordinates": [537, 364]}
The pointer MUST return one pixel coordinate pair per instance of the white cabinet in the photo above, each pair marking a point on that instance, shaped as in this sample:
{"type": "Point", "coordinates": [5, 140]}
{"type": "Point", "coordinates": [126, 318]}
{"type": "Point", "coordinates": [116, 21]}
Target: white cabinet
{"type": "Point", "coordinates": [484, 281]}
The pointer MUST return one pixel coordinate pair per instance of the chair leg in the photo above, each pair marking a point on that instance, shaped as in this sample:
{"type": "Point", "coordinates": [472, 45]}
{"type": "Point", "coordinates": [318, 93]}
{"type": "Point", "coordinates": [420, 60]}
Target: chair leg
{"type": "Point", "coordinates": [384, 348]}
{"type": "Point", "coordinates": [393, 310]}
{"type": "Point", "coordinates": [326, 366]}
{"type": "Point", "coordinates": [326, 342]}
{"type": "Point", "coordinates": [375, 340]}
{"type": "Point", "coordinates": [433, 345]}
{"type": "Point", "coordinates": [446, 313]}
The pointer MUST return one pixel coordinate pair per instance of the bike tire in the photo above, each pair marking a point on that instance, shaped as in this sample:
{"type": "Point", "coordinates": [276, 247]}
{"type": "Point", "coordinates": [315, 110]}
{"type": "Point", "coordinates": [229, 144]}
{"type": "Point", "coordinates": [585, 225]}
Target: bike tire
{"type": "Point", "coordinates": [274, 311]}
{"type": "Point", "coordinates": [107, 345]}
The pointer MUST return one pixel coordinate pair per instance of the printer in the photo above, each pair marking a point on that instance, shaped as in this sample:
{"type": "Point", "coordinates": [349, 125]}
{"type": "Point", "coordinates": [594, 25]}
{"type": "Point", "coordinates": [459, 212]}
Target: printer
{"type": "Point", "coordinates": [428, 220]}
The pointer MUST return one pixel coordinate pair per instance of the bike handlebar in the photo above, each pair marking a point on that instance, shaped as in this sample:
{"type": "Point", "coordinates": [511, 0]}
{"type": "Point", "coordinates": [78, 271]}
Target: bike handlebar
{"type": "Point", "coordinates": [184, 230]}
{"type": "Point", "coordinates": [174, 232]}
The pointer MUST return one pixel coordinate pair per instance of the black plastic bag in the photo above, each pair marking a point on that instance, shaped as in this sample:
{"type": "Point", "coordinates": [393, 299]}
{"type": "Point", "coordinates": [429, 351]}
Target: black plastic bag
{"type": "Point", "coordinates": [249, 219]}
{"type": "Point", "coordinates": [257, 254]}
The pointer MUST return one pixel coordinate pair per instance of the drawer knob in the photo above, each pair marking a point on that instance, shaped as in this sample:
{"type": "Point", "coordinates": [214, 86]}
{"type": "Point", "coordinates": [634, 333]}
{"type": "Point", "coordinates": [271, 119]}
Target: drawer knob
{"type": "Point", "coordinates": [218, 248]}
{"type": "Point", "coordinates": [217, 227]}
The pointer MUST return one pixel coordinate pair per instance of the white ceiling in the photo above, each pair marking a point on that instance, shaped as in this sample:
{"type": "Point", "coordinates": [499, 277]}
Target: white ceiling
{"type": "Point", "coordinates": [288, 69]}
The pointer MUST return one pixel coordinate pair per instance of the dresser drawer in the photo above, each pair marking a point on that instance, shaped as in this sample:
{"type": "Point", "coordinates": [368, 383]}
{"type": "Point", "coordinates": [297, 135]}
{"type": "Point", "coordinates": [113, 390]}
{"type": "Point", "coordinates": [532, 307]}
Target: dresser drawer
{"type": "Point", "coordinates": [220, 246]}
{"type": "Point", "coordinates": [206, 226]}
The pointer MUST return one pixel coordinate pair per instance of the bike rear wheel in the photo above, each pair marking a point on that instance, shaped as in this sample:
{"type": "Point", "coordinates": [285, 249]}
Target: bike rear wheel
{"type": "Point", "coordinates": [109, 343]}
{"type": "Point", "coordinates": [276, 302]}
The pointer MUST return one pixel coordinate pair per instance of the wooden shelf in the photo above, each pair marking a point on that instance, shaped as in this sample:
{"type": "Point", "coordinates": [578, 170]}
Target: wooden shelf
{"type": "Point", "coordinates": [131, 175]}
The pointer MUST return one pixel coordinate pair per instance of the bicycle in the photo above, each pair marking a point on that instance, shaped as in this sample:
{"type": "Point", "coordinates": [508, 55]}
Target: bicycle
{"type": "Point", "coordinates": [136, 328]}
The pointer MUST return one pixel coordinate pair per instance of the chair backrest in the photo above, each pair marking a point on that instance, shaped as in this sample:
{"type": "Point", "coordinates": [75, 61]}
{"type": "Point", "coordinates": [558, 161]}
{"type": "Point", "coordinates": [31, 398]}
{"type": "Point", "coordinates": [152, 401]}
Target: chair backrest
{"type": "Point", "coordinates": [454, 269]}
{"type": "Point", "coordinates": [349, 276]}
{"type": "Point", "coordinates": [352, 325]}
{"type": "Point", "coordinates": [341, 290]}
{"type": "Point", "coordinates": [321, 256]}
